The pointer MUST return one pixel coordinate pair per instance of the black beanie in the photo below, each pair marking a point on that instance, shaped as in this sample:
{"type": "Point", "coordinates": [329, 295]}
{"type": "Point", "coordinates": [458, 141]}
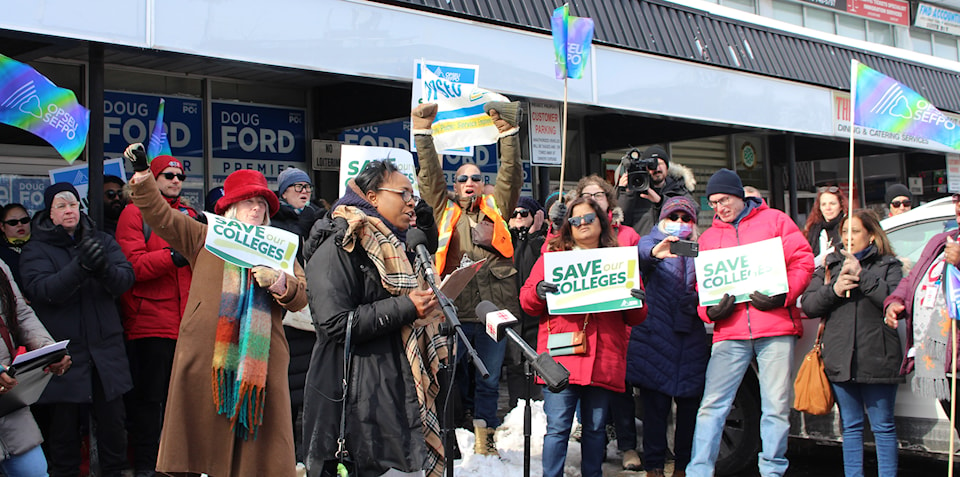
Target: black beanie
{"type": "Point", "coordinates": [657, 152]}
{"type": "Point", "coordinates": [897, 190]}
{"type": "Point", "coordinates": [725, 181]}
{"type": "Point", "coordinates": [57, 188]}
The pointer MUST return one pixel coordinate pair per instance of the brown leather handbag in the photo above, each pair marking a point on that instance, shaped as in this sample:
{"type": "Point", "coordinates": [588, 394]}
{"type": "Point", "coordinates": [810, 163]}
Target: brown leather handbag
{"type": "Point", "coordinates": [811, 388]}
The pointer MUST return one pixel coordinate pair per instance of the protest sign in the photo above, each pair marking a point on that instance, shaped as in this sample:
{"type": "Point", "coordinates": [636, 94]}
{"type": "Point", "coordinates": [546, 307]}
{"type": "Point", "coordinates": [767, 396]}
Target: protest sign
{"type": "Point", "coordinates": [463, 76]}
{"type": "Point", "coordinates": [592, 281]}
{"type": "Point", "coordinates": [462, 119]}
{"type": "Point", "coordinates": [79, 176]}
{"type": "Point", "coordinates": [247, 245]}
{"type": "Point", "coordinates": [741, 270]}
{"type": "Point", "coordinates": [354, 158]}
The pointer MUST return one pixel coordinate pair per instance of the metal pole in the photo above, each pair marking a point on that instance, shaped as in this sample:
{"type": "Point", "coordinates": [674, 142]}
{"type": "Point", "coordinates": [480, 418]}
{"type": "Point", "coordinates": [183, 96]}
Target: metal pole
{"type": "Point", "coordinates": [95, 136]}
{"type": "Point", "coordinates": [792, 175]}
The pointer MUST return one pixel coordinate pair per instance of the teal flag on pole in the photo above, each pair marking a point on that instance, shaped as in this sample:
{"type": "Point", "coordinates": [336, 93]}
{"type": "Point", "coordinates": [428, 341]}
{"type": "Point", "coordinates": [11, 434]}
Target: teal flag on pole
{"type": "Point", "coordinates": [571, 42]}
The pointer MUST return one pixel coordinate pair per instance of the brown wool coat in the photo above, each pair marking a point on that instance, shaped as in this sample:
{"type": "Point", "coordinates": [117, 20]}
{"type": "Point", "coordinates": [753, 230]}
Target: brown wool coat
{"type": "Point", "coordinates": [195, 438]}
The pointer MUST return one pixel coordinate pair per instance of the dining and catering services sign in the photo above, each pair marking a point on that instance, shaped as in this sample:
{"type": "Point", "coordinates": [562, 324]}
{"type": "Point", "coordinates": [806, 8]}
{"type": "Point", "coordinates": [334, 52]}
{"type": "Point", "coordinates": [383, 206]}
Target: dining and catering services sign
{"type": "Point", "coordinates": [741, 270]}
{"type": "Point", "coordinates": [247, 245]}
{"type": "Point", "coordinates": [592, 281]}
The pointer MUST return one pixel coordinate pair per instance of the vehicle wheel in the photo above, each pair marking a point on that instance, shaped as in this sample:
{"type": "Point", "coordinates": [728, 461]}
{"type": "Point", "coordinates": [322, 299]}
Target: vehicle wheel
{"type": "Point", "coordinates": [741, 433]}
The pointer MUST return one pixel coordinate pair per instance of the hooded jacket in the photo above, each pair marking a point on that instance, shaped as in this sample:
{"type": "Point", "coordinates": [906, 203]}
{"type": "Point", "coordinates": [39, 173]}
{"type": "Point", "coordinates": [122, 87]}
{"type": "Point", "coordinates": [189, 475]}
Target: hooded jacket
{"type": "Point", "coordinates": [643, 215]}
{"type": "Point", "coordinates": [762, 223]}
{"type": "Point", "coordinates": [857, 345]}
{"type": "Point", "coordinates": [79, 306]}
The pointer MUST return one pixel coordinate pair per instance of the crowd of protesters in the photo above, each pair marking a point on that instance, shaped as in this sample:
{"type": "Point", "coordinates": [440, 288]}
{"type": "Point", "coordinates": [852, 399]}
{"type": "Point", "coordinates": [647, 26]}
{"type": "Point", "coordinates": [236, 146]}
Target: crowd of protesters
{"type": "Point", "coordinates": [337, 365]}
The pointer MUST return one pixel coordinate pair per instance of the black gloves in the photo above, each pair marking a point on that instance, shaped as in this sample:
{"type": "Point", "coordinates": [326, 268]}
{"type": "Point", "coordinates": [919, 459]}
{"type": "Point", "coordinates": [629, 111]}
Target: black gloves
{"type": "Point", "coordinates": [92, 257]}
{"type": "Point", "coordinates": [424, 215]}
{"type": "Point", "coordinates": [638, 294]}
{"type": "Point", "coordinates": [546, 287]}
{"type": "Point", "coordinates": [721, 310]}
{"type": "Point", "coordinates": [178, 259]}
{"type": "Point", "coordinates": [557, 212]}
{"type": "Point", "coordinates": [137, 156]}
{"type": "Point", "coordinates": [766, 303]}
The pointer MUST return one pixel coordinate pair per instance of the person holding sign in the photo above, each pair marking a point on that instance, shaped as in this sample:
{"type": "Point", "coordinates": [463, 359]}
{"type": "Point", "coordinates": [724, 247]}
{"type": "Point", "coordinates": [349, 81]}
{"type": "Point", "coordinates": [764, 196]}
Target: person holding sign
{"type": "Point", "coordinates": [472, 227]}
{"type": "Point", "coordinates": [228, 406]}
{"type": "Point", "coordinates": [592, 346]}
{"type": "Point", "coordinates": [73, 274]}
{"type": "Point", "coordinates": [667, 357]}
{"type": "Point", "coordinates": [368, 302]}
{"type": "Point", "coordinates": [765, 328]}
{"type": "Point", "coordinates": [22, 456]}
{"type": "Point", "coordinates": [861, 354]}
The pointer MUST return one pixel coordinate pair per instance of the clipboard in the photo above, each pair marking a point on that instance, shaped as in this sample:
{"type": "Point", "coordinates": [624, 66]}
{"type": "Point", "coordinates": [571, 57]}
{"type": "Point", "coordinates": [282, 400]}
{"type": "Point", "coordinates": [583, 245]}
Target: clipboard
{"type": "Point", "coordinates": [457, 280]}
{"type": "Point", "coordinates": [31, 380]}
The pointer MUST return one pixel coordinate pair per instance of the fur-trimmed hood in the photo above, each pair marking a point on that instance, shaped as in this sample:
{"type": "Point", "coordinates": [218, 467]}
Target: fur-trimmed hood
{"type": "Point", "coordinates": [683, 174]}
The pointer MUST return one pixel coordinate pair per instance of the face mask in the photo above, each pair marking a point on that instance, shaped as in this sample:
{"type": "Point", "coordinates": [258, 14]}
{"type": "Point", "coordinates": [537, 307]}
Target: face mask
{"type": "Point", "coordinates": [678, 230]}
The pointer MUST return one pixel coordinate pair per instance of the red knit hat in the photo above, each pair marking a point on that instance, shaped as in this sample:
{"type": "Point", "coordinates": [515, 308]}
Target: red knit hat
{"type": "Point", "coordinates": [242, 185]}
{"type": "Point", "coordinates": [159, 163]}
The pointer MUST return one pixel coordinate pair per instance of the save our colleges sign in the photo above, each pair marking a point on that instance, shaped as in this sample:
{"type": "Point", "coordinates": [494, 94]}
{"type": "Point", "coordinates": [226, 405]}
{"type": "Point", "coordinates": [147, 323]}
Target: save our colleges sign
{"type": "Point", "coordinates": [739, 271]}
{"type": "Point", "coordinates": [591, 281]}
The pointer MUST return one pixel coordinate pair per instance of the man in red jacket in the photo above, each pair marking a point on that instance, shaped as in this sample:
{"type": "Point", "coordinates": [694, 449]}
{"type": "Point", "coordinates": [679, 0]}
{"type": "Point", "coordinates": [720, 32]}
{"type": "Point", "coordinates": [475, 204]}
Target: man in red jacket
{"type": "Point", "coordinates": [765, 328]}
{"type": "Point", "coordinates": [151, 313]}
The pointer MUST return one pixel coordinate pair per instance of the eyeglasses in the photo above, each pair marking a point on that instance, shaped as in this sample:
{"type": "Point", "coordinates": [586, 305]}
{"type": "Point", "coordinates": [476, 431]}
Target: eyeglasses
{"type": "Point", "coordinates": [684, 217]}
{"type": "Point", "coordinates": [830, 189]}
{"type": "Point", "coordinates": [594, 196]}
{"type": "Point", "coordinates": [474, 177]}
{"type": "Point", "coordinates": [111, 194]}
{"type": "Point", "coordinates": [585, 219]}
{"type": "Point", "coordinates": [302, 188]}
{"type": "Point", "coordinates": [405, 194]}
{"type": "Point", "coordinates": [15, 222]}
{"type": "Point", "coordinates": [170, 176]}
{"type": "Point", "coordinates": [906, 203]}
{"type": "Point", "coordinates": [521, 213]}
{"type": "Point", "coordinates": [723, 202]}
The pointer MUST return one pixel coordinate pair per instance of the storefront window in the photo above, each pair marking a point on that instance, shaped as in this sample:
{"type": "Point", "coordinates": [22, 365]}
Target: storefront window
{"type": "Point", "coordinates": [821, 20]}
{"type": "Point", "coordinates": [851, 27]}
{"type": "Point", "coordinates": [749, 6]}
{"type": "Point", "coordinates": [920, 42]}
{"type": "Point", "coordinates": [788, 12]}
{"type": "Point", "coordinates": [880, 33]}
{"type": "Point", "coordinates": [945, 46]}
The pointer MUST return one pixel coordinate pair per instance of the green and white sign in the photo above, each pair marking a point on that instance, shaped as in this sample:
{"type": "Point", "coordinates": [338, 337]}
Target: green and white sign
{"type": "Point", "coordinates": [741, 270]}
{"type": "Point", "coordinates": [592, 281]}
{"type": "Point", "coordinates": [354, 158]}
{"type": "Point", "coordinates": [250, 245]}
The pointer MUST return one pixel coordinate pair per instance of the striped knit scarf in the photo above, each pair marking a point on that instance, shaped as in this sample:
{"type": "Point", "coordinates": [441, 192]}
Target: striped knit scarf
{"type": "Point", "coordinates": [423, 345]}
{"type": "Point", "coordinates": [241, 351]}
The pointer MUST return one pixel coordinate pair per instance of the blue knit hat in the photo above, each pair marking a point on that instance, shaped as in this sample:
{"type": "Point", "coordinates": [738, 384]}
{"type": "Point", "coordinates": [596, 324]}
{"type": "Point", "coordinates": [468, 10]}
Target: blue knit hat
{"type": "Point", "coordinates": [725, 181]}
{"type": "Point", "coordinates": [291, 176]}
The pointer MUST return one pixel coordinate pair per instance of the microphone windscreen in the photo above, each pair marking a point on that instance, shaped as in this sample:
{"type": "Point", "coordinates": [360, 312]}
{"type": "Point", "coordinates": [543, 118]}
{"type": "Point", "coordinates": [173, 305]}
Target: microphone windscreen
{"type": "Point", "coordinates": [415, 237]}
{"type": "Point", "coordinates": [485, 307]}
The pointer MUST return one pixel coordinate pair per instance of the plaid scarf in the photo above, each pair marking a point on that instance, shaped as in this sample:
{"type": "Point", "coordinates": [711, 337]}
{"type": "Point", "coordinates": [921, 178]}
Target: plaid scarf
{"type": "Point", "coordinates": [423, 345]}
{"type": "Point", "coordinates": [241, 350]}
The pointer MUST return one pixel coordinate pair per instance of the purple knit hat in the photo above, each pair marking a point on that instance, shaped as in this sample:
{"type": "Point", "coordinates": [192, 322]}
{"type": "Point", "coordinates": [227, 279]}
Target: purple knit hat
{"type": "Point", "coordinates": [680, 203]}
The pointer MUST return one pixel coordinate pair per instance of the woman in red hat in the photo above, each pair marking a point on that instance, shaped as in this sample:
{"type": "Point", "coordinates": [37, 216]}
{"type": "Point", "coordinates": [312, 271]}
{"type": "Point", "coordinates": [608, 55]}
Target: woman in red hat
{"type": "Point", "coordinates": [228, 407]}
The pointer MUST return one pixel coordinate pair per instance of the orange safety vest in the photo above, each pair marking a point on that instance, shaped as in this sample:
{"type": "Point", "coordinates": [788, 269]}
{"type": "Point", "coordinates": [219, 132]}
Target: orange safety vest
{"type": "Point", "coordinates": [451, 213]}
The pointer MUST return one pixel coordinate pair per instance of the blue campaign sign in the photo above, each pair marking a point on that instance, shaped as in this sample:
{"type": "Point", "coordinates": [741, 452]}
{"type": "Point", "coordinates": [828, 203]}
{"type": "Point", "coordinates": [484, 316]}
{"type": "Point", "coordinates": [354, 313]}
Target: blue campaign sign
{"type": "Point", "coordinates": [258, 133]}
{"type": "Point", "coordinates": [28, 191]}
{"type": "Point", "coordinates": [129, 118]}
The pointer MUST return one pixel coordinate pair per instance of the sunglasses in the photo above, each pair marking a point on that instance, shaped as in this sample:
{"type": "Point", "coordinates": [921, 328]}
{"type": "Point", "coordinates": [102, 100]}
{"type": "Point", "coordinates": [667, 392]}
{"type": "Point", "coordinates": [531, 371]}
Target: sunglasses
{"type": "Point", "coordinates": [830, 189]}
{"type": "Point", "coordinates": [15, 222]}
{"type": "Point", "coordinates": [585, 219]}
{"type": "Point", "coordinates": [170, 176]}
{"type": "Point", "coordinates": [684, 217]}
{"type": "Point", "coordinates": [474, 177]}
{"type": "Point", "coordinates": [521, 213]}
{"type": "Point", "coordinates": [906, 203]}
{"type": "Point", "coordinates": [594, 196]}
{"type": "Point", "coordinates": [111, 194]}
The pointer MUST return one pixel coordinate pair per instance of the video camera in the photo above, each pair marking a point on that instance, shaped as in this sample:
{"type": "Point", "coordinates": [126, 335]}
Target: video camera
{"type": "Point", "coordinates": [638, 170]}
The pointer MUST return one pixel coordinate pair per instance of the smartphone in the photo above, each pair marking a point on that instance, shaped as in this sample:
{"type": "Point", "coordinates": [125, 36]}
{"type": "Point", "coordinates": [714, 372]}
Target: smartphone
{"type": "Point", "coordinates": [685, 248]}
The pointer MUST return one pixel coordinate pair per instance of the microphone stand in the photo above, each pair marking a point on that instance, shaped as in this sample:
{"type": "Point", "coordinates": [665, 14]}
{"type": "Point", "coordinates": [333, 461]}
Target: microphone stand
{"type": "Point", "coordinates": [527, 417]}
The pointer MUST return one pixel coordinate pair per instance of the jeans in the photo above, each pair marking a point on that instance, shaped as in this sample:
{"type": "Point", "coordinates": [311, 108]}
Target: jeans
{"type": "Point", "coordinates": [559, 408]}
{"type": "Point", "coordinates": [728, 363]}
{"type": "Point", "coordinates": [879, 400]}
{"type": "Point", "coordinates": [31, 463]}
{"type": "Point", "coordinates": [487, 391]}
{"type": "Point", "coordinates": [656, 410]}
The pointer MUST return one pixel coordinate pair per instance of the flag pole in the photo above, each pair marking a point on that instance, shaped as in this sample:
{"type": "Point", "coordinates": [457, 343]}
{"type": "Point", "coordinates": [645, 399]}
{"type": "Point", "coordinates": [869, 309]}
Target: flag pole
{"type": "Point", "coordinates": [853, 109]}
{"type": "Point", "coordinates": [953, 391]}
{"type": "Point", "coordinates": [563, 140]}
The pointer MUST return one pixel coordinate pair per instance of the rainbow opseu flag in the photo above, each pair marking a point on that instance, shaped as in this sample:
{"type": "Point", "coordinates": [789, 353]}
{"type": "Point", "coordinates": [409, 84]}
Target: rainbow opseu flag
{"type": "Point", "coordinates": [883, 103]}
{"type": "Point", "coordinates": [158, 145]}
{"type": "Point", "coordinates": [571, 42]}
{"type": "Point", "coordinates": [29, 101]}
{"type": "Point", "coordinates": [952, 290]}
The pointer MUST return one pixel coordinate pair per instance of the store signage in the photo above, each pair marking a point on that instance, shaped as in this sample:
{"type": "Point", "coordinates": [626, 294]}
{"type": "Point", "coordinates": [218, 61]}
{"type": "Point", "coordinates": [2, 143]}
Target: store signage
{"type": "Point", "coordinates": [129, 118]}
{"type": "Point", "coordinates": [841, 128]}
{"type": "Point", "coordinates": [936, 18]}
{"type": "Point", "coordinates": [888, 11]}
{"type": "Point", "coordinates": [546, 134]}
{"type": "Point", "coordinates": [262, 138]}
{"type": "Point", "coordinates": [326, 155]}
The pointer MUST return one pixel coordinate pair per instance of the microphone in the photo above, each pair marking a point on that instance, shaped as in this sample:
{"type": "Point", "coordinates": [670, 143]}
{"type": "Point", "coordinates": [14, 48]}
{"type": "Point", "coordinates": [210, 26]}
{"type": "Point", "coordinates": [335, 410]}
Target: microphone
{"type": "Point", "coordinates": [498, 324]}
{"type": "Point", "coordinates": [417, 241]}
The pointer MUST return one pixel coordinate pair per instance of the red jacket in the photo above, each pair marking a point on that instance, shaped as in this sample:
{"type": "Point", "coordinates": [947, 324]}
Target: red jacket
{"type": "Point", "coordinates": [605, 363]}
{"type": "Point", "coordinates": [762, 223]}
{"type": "Point", "coordinates": [152, 308]}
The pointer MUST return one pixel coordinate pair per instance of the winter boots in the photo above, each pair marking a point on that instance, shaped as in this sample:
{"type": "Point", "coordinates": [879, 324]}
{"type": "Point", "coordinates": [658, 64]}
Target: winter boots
{"type": "Point", "coordinates": [484, 443]}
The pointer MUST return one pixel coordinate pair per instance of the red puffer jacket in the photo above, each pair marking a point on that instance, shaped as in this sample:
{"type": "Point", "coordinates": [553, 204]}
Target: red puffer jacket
{"type": "Point", "coordinates": [152, 308]}
{"type": "Point", "coordinates": [605, 363]}
{"type": "Point", "coordinates": [762, 223]}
